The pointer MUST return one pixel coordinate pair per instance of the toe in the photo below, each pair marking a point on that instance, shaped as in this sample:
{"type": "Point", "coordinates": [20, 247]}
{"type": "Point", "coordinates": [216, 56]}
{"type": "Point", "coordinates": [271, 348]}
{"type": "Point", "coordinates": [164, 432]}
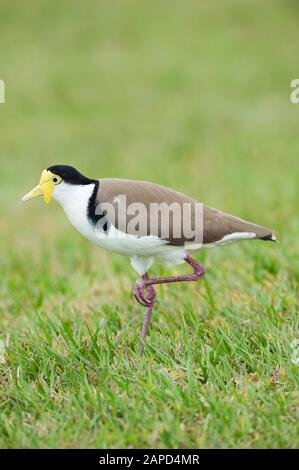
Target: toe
{"type": "Point", "coordinates": [140, 298]}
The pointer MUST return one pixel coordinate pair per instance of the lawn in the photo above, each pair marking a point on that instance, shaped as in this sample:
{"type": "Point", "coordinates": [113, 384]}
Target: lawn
{"type": "Point", "coordinates": [193, 95]}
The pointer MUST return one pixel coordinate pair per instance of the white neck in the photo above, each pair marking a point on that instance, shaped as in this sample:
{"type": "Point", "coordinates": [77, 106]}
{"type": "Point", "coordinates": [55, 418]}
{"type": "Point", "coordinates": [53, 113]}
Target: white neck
{"type": "Point", "coordinates": [74, 200]}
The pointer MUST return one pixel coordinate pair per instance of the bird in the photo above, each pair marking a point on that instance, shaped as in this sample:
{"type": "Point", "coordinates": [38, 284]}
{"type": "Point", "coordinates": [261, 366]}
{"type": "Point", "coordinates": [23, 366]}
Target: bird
{"type": "Point", "coordinates": [145, 221]}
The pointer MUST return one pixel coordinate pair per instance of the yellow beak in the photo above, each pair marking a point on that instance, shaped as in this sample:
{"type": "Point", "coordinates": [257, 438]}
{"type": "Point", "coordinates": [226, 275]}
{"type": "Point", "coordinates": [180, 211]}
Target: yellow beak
{"type": "Point", "coordinates": [44, 188]}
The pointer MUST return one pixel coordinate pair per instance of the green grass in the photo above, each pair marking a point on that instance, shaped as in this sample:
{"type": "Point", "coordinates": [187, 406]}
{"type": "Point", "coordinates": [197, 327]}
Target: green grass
{"type": "Point", "coordinates": [194, 95]}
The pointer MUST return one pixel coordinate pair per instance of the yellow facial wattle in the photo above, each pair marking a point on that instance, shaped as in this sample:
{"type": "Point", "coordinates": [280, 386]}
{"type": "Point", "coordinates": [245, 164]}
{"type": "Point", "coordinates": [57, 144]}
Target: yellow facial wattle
{"type": "Point", "coordinates": [45, 188]}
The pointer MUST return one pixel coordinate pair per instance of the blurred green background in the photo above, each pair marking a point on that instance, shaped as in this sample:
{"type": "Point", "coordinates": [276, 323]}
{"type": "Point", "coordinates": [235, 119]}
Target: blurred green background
{"type": "Point", "coordinates": [194, 95]}
{"type": "Point", "coordinates": [191, 94]}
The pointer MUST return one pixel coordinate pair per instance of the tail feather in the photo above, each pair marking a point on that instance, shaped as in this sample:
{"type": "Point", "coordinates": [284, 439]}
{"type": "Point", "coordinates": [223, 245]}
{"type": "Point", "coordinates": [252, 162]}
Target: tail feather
{"type": "Point", "coordinates": [270, 237]}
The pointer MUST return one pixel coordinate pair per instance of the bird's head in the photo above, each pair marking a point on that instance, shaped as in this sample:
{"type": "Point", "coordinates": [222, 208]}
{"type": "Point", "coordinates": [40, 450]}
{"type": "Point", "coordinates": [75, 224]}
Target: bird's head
{"type": "Point", "coordinates": [54, 180]}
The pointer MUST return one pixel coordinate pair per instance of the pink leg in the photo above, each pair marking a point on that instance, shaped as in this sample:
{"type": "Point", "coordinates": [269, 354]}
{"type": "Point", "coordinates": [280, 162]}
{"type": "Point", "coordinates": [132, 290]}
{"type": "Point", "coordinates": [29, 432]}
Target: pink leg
{"type": "Point", "coordinates": [150, 299]}
{"type": "Point", "coordinates": [146, 284]}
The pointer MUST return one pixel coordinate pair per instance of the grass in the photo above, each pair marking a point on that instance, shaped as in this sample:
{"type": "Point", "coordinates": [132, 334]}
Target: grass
{"type": "Point", "coordinates": [192, 95]}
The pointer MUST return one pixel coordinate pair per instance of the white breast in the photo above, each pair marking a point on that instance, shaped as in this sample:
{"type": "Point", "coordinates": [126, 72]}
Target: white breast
{"type": "Point", "coordinates": [74, 199]}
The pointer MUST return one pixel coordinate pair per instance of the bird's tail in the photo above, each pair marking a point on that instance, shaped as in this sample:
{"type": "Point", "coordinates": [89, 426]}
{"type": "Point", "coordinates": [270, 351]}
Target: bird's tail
{"type": "Point", "coordinates": [271, 237]}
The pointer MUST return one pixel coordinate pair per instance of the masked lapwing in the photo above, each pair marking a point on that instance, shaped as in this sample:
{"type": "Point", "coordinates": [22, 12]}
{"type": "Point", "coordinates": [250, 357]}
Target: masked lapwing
{"type": "Point", "coordinates": [145, 221]}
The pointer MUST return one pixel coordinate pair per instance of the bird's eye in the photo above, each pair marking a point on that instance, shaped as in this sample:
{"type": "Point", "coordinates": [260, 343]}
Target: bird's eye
{"type": "Point", "coordinates": [56, 179]}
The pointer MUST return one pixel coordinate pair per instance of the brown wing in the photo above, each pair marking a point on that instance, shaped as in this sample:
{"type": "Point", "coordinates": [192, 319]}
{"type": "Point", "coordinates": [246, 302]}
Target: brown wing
{"type": "Point", "coordinates": [215, 224]}
{"type": "Point", "coordinates": [218, 224]}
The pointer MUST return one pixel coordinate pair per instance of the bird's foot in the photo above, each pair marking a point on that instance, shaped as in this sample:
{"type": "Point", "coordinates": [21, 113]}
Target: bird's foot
{"type": "Point", "coordinates": [145, 295]}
